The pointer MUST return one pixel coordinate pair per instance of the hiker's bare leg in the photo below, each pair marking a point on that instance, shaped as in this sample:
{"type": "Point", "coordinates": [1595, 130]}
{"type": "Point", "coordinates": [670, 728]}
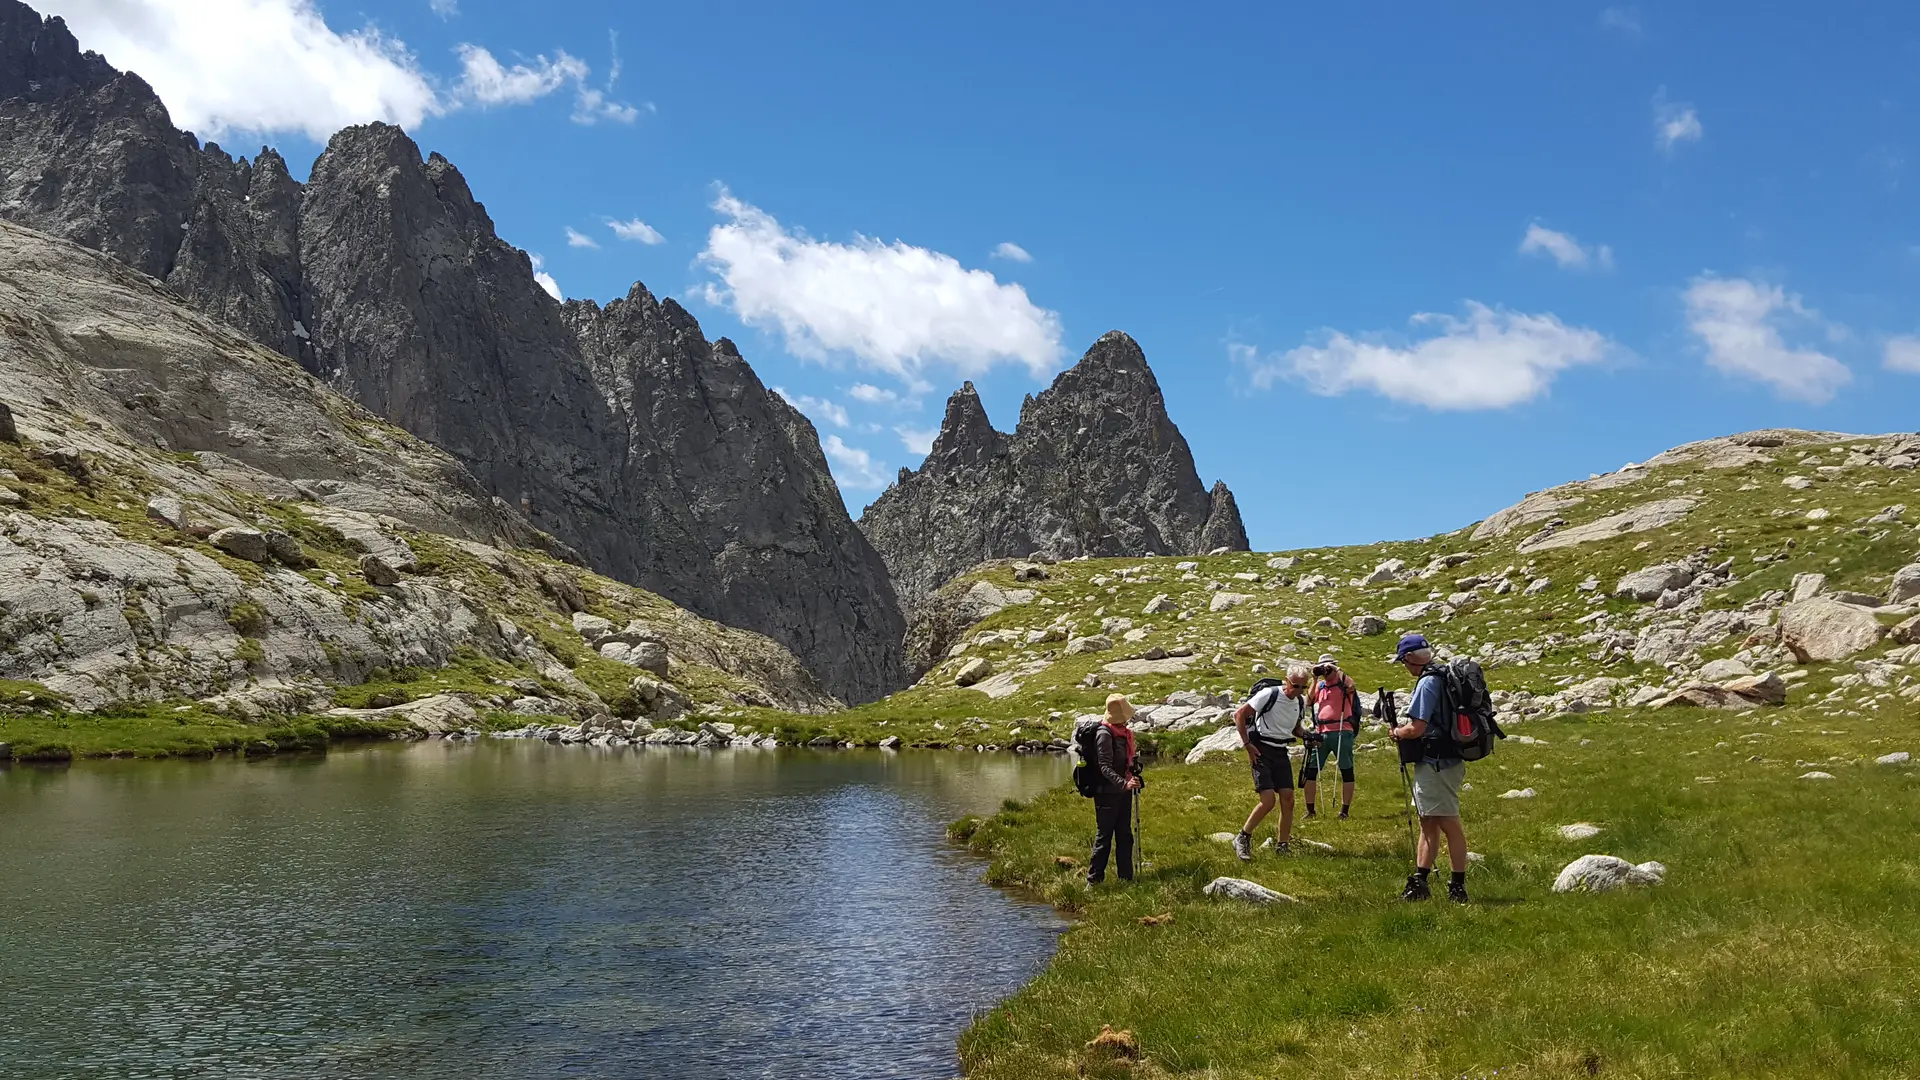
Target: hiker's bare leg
{"type": "Point", "coordinates": [1429, 842]}
{"type": "Point", "coordinates": [1456, 843]}
{"type": "Point", "coordinates": [1346, 793]}
{"type": "Point", "coordinates": [1311, 788]}
{"type": "Point", "coordinates": [1285, 831]}
{"type": "Point", "coordinates": [1259, 813]}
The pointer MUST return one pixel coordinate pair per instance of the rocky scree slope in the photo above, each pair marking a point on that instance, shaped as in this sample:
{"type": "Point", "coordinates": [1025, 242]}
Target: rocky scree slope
{"type": "Point", "coordinates": [1094, 467]}
{"type": "Point", "coordinates": [188, 517]}
{"type": "Point", "coordinates": [384, 275]}
{"type": "Point", "coordinates": [1732, 575]}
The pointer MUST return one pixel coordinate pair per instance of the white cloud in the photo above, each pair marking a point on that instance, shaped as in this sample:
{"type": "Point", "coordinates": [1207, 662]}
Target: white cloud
{"type": "Point", "coordinates": [576, 238]}
{"type": "Point", "coordinates": [592, 105]}
{"type": "Point", "coordinates": [892, 307]}
{"type": "Point", "coordinates": [485, 81]}
{"type": "Point", "coordinates": [874, 395]}
{"type": "Point", "coordinates": [544, 279]}
{"type": "Point", "coordinates": [225, 66]}
{"type": "Point", "coordinates": [831, 411]}
{"type": "Point", "coordinates": [1624, 19]}
{"type": "Point", "coordinates": [1012, 252]}
{"type": "Point", "coordinates": [1903, 354]}
{"type": "Point", "coordinates": [636, 230]}
{"type": "Point", "coordinates": [917, 440]}
{"type": "Point", "coordinates": [854, 467]}
{"type": "Point", "coordinates": [1674, 122]}
{"type": "Point", "coordinates": [1736, 319]}
{"type": "Point", "coordinates": [260, 66]}
{"type": "Point", "coordinates": [1491, 359]}
{"type": "Point", "coordinates": [1566, 251]}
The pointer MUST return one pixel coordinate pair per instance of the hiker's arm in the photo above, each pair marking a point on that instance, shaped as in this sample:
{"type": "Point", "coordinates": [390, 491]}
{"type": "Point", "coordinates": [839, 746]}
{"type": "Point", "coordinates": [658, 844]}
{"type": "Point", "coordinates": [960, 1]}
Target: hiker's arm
{"type": "Point", "coordinates": [1412, 729]}
{"type": "Point", "coordinates": [1241, 716]}
{"type": "Point", "coordinates": [1103, 752]}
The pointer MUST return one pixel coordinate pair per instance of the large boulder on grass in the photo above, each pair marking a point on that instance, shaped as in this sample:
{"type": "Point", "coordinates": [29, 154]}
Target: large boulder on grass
{"type": "Point", "coordinates": [1649, 583]}
{"type": "Point", "coordinates": [1232, 888]}
{"type": "Point", "coordinates": [1824, 629]}
{"type": "Point", "coordinates": [242, 543]}
{"type": "Point", "coordinates": [1605, 873]}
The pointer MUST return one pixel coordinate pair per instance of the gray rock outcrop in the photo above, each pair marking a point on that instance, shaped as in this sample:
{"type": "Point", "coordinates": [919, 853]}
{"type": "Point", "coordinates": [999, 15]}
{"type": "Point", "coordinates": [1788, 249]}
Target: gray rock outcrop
{"type": "Point", "coordinates": [1094, 467]}
{"type": "Point", "coordinates": [660, 459]}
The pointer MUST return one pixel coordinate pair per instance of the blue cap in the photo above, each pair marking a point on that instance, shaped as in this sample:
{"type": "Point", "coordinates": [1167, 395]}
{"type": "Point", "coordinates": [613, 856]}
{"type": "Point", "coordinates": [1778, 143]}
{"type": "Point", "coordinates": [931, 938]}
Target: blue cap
{"type": "Point", "coordinates": [1410, 643]}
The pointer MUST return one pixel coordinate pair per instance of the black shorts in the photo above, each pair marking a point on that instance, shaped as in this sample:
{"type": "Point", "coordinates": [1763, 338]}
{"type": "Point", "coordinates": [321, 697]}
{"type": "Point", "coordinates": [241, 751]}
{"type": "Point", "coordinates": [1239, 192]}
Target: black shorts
{"type": "Point", "coordinates": [1273, 769]}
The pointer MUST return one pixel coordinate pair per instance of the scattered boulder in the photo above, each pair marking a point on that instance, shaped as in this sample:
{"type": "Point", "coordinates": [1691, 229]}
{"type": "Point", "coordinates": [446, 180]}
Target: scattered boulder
{"type": "Point", "coordinates": [1807, 586]}
{"type": "Point", "coordinates": [1026, 571]}
{"type": "Point", "coordinates": [1824, 629]}
{"type": "Point", "coordinates": [1226, 601]}
{"type": "Point", "coordinates": [1908, 633]}
{"type": "Point", "coordinates": [1521, 793]}
{"type": "Point", "coordinates": [1816, 775]}
{"type": "Point", "coordinates": [242, 543]}
{"type": "Point", "coordinates": [1366, 625]}
{"type": "Point", "coordinates": [1385, 572]}
{"type": "Point", "coordinates": [1857, 599]}
{"type": "Point", "coordinates": [168, 511]}
{"type": "Point", "coordinates": [1231, 888]}
{"type": "Point", "coordinates": [891, 742]}
{"type": "Point", "coordinates": [1282, 562]}
{"type": "Point", "coordinates": [376, 571]}
{"type": "Point", "coordinates": [1654, 515]}
{"type": "Point", "coordinates": [1647, 584]}
{"type": "Point", "coordinates": [1719, 671]}
{"type": "Point", "coordinates": [1765, 688]}
{"type": "Point", "coordinates": [1410, 612]}
{"type": "Point", "coordinates": [68, 460]}
{"type": "Point", "coordinates": [1579, 830]}
{"type": "Point", "coordinates": [648, 656]}
{"type": "Point", "coordinates": [1159, 605]}
{"type": "Point", "coordinates": [1537, 586]}
{"type": "Point", "coordinates": [283, 547]}
{"type": "Point", "coordinates": [1092, 643]}
{"type": "Point", "coordinates": [972, 671]}
{"type": "Point", "coordinates": [1906, 584]}
{"type": "Point", "coordinates": [1226, 740]}
{"type": "Point", "coordinates": [1898, 757]}
{"type": "Point", "coordinates": [592, 628]}
{"type": "Point", "coordinates": [1605, 873]}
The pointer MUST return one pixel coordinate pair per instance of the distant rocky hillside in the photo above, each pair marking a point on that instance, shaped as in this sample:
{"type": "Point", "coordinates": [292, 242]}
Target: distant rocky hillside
{"type": "Point", "coordinates": [657, 455]}
{"type": "Point", "coordinates": [1094, 467]}
{"type": "Point", "coordinates": [1733, 575]}
{"type": "Point", "coordinates": [187, 517]}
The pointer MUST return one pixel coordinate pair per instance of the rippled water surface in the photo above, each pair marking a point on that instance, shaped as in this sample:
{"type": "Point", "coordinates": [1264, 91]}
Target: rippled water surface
{"type": "Point", "coordinates": [504, 910]}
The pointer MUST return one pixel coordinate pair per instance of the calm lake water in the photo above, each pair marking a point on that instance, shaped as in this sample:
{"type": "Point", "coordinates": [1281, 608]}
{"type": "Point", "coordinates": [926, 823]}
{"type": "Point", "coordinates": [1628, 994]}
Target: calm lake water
{"type": "Point", "coordinates": [505, 910]}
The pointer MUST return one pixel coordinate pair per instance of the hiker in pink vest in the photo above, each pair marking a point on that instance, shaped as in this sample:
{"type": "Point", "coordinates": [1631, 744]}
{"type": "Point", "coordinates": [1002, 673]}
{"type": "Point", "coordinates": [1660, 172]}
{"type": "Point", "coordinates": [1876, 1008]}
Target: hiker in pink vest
{"type": "Point", "coordinates": [1336, 713]}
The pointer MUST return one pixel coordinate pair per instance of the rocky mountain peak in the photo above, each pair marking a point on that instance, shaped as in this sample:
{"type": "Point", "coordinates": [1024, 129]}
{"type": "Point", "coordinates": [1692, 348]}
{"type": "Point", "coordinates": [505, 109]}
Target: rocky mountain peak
{"type": "Point", "coordinates": [40, 60]}
{"type": "Point", "coordinates": [966, 435]}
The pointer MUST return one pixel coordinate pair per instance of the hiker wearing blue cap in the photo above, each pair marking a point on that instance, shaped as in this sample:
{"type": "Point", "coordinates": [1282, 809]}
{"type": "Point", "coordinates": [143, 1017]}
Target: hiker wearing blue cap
{"type": "Point", "coordinates": [1437, 773]}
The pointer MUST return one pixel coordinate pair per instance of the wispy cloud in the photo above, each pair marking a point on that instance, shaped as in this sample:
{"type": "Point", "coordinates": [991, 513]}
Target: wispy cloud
{"type": "Point", "coordinates": [917, 440]}
{"type": "Point", "coordinates": [593, 104]}
{"type": "Point", "coordinates": [446, 9]}
{"type": "Point", "coordinates": [1738, 321]}
{"type": "Point", "coordinates": [544, 279]}
{"type": "Point", "coordinates": [853, 467]}
{"type": "Point", "coordinates": [1490, 359]}
{"type": "Point", "coordinates": [576, 238]}
{"type": "Point", "coordinates": [1624, 19]}
{"type": "Point", "coordinates": [830, 411]}
{"type": "Point", "coordinates": [485, 81]}
{"type": "Point", "coordinates": [874, 395]}
{"type": "Point", "coordinates": [1565, 250]}
{"type": "Point", "coordinates": [1012, 252]}
{"type": "Point", "coordinates": [636, 230]}
{"type": "Point", "coordinates": [892, 307]}
{"type": "Point", "coordinates": [1674, 122]}
{"type": "Point", "coordinates": [1902, 354]}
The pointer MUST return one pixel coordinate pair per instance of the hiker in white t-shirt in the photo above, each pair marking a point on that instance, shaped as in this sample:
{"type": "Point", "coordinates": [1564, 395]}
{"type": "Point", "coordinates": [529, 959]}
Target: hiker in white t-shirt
{"type": "Point", "coordinates": [1274, 715]}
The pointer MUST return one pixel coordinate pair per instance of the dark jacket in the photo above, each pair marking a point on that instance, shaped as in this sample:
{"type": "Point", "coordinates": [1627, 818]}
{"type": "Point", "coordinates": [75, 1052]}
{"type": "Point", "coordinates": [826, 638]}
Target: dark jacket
{"type": "Point", "coordinates": [1110, 757]}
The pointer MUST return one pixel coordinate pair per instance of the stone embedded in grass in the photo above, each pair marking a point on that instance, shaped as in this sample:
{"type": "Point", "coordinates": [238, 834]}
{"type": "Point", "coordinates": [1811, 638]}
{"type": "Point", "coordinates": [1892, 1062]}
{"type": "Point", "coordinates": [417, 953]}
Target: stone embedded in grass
{"type": "Point", "coordinates": [1229, 888]}
{"type": "Point", "coordinates": [1824, 629]}
{"type": "Point", "coordinates": [1797, 483]}
{"type": "Point", "coordinates": [1410, 612]}
{"type": "Point", "coordinates": [1093, 643]}
{"type": "Point", "coordinates": [1225, 740]}
{"type": "Point", "coordinates": [1816, 774]}
{"type": "Point", "coordinates": [1898, 757]}
{"type": "Point", "coordinates": [242, 543]}
{"type": "Point", "coordinates": [1605, 873]}
{"type": "Point", "coordinates": [1159, 605]}
{"type": "Point", "coordinates": [1226, 601]}
{"type": "Point", "coordinates": [376, 571]}
{"type": "Point", "coordinates": [972, 671]}
{"type": "Point", "coordinates": [1519, 793]}
{"type": "Point", "coordinates": [1579, 830]}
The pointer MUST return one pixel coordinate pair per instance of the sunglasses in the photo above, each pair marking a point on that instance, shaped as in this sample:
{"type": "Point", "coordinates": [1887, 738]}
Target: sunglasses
{"type": "Point", "coordinates": [1297, 685]}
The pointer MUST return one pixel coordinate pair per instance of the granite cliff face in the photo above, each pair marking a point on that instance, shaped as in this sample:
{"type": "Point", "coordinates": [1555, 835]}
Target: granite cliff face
{"type": "Point", "coordinates": [1095, 467]}
{"type": "Point", "coordinates": [657, 457]}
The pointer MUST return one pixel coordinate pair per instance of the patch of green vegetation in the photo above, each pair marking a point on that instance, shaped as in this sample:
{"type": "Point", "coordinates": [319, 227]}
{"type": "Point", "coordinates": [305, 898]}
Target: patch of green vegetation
{"type": "Point", "coordinates": [248, 619]}
{"type": "Point", "coordinates": [170, 729]}
{"type": "Point", "coordinates": [467, 673]}
{"type": "Point", "coordinates": [1796, 886]}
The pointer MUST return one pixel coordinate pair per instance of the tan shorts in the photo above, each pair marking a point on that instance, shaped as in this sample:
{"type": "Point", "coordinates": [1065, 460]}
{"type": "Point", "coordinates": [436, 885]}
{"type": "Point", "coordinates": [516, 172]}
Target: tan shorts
{"type": "Point", "coordinates": [1436, 792]}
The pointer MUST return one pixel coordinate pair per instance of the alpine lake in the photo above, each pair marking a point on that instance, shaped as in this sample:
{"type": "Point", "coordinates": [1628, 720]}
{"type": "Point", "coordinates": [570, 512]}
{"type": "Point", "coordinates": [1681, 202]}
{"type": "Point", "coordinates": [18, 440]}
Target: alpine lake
{"type": "Point", "coordinates": [506, 909]}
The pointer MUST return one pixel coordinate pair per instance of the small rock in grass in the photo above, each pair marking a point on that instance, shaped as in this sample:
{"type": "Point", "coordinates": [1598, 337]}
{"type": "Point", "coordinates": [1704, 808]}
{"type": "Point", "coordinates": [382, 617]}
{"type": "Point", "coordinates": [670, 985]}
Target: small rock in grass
{"type": "Point", "coordinates": [1816, 775]}
{"type": "Point", "coordinates": [1605, 873]}
{"type": "Point", "coordinates": [1898, 757]}
{"type": "Point", "coordinates": [1522, 793]}
{"type": "Point", "coordinates": [1241, 889]}
{"type": "Point", "coordinates": [1222, 837]}
{"type": "Point", "coordinates": [1579, 830]}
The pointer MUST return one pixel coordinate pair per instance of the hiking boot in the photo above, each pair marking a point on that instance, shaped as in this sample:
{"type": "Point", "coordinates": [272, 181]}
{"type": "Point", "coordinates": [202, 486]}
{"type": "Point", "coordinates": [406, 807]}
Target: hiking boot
{"type": "Point", "coordinates": [1457, 892]}
{"type": "Point", "coordinates": [1281, 847]}
{"type": "Point", "coordinates": [1416, 889]}
{"type": "Point", "coordinates": [1243, 846]}
{"type": "Point", "coordinates": [1343, 813]}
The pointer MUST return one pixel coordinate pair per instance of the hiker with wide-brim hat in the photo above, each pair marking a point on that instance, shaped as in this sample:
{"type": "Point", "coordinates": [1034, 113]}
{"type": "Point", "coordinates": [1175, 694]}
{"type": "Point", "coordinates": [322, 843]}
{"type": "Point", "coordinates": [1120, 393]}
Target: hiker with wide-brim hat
{"type": "Point", "coordinates": [1272, 717]}
{"type": "Point", "coordinates": [1117, 760]}
{"type": "Point", "coordinates": [1437, 774]}
{"type": "Point", "coordinates": [1336, 712]}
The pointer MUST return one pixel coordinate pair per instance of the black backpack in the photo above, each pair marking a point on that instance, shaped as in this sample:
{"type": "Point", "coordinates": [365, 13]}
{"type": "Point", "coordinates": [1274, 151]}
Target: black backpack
{"type": "Point", "coordinates": [1264, 684]}
{"type": "Point", "coordinates": [1471, 728]}
{"type": "Point", "coordinates": [1086, 772]}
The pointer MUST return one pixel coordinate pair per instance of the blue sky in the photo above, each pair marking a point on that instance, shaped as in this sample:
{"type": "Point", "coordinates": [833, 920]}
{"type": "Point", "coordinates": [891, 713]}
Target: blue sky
{"type": "Point", "coordinates": [1395, 265]}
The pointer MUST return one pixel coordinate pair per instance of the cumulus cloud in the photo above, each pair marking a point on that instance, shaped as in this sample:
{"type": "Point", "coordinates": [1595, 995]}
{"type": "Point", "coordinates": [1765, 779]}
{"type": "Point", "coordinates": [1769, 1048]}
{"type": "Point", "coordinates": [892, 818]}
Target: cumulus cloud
{"type": "Point", "coordinates": [636, 230]}
{"type": "Point", "coordinates": [1565, 250]}
{"type": "Point", "coordinates": [917, 440]}
{"type": "Point", "coordinates": [1738, 322]}
{"type": "Point", "coordinates": [576, 238]}
{"type": "Point", "coordinates": [1902, 354]}
{"type": "Point", "coordinates": [892, 307]}
{"type": "Point", "coordinates": [224, 66]}
{"type": "Point", "coordinates": [262, 66]}
{"type": "Point", "coordinates": [544, 279]}
{"type": "Point", "coordinates": [1012, 252]}
{"type": "Point", "coordinates": [874, 395]}
{"type": "Point", "coordinates": [1490, 359]}
{"type": "Point", "coordinates": [853, 467]}
{"type": "Point", "coordinates": [1674, 122]}
{"type": "Point", "coordinates": [831, 411]}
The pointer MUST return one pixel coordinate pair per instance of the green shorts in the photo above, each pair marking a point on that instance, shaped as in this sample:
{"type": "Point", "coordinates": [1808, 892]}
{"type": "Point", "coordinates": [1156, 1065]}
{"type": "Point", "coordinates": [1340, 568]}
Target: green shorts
{"type": "Point", "coordinates": [1337, 745]}
{"type": "Point", "coordinates": [1436, 792]}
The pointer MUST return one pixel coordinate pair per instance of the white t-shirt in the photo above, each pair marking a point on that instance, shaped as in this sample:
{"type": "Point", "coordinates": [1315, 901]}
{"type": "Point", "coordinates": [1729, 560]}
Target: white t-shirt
{"type": "Point", "coordinates": [1277, 722]}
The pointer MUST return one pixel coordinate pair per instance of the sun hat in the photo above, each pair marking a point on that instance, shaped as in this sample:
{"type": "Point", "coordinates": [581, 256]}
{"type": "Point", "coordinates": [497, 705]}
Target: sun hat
{"type": "Point", "coordinates": [1119, 708]}
{"type": "Point", "coordinates": [1408, 644]}
{"type": "Point", "coordinates": [1326, 660]}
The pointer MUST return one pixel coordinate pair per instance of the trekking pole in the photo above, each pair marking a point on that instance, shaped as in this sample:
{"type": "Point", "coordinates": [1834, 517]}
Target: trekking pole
{"type": "Point", "coordinates": [1384, 708]}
